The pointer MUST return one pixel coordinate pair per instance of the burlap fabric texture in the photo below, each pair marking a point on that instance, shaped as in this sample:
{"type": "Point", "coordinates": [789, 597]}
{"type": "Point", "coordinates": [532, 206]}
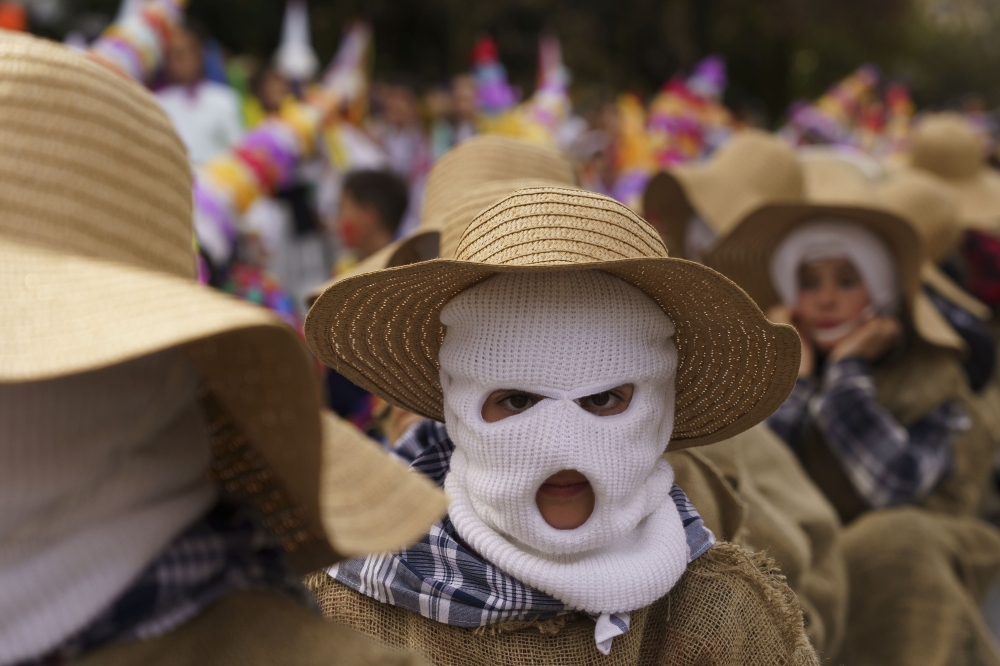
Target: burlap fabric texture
{"type": "Point", "coordinates": [750, 490]}
{"type": "Point", "coordinates": [909, 387]}
{"type": "Point", "coordinates": [918, 578]}
{"type": "Point", "coordinates": [730, 607]}
{"type": "Point", "coordinates": [253, 629]}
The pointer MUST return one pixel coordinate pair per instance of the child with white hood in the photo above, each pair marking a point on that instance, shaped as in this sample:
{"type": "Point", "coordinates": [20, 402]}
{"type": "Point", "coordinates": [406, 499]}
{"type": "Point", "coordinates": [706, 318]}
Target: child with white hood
{"type": "Point", "coordinates": [560, 354]}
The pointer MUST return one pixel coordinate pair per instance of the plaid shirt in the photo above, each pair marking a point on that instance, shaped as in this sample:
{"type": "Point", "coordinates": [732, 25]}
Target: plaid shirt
{"type": "Point", "coordinates": [226, 551]}
{"type": "Point", "coordinates": [886, 463]}
{"type": "Point", "coordinates": [440, 579]}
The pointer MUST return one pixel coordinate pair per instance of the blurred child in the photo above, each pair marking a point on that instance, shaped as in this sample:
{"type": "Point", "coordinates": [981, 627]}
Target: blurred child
{"type": "Point", "coordinates": [372, 205]}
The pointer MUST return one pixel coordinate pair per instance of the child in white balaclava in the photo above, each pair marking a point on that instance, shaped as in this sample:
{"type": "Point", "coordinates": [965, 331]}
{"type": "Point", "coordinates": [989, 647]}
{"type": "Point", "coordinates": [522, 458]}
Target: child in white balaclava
{"type": "Point", "coordinates": [558, 390]}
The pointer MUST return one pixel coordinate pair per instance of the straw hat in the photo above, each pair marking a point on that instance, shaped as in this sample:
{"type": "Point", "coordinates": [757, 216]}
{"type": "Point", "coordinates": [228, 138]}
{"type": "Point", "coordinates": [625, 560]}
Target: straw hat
{"type": "Point", "coordinates": [381, 329]}
{"type": "Point", "coordinates": [839, 189]}
{"type": "Point", "coordinates": [929, 207]}
{"type": "Point", "coordinates": [477, 164]}
{"type": "Point", "coordinates": [97, 268]}
{"type": "Point", "coordinates": [946, 145]}
{"type": "Point", "coordinates": [753, 169]}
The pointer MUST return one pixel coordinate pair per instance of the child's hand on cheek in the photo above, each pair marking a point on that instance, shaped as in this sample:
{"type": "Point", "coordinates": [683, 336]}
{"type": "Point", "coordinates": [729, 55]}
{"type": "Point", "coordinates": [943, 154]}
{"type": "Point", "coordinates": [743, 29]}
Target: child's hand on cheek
{"type": "Point", "coordinates": [870, 341]}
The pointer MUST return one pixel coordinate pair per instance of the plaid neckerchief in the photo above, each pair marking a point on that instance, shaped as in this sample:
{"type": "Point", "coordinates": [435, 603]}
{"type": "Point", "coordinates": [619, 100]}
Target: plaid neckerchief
{"type": "Point", "coordinates": [886, 463]}
{"type": "Point", "coordinates": [228, 550]}
{"type": "Point", "coordinates": [440, 579]}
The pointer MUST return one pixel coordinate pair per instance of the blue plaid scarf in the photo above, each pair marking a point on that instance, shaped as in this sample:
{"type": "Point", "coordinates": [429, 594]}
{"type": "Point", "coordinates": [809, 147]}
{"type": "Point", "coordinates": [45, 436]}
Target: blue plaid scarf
{"type": "Point", "coordinates": [226, 551]}
{"type": "Point", "coordinates": [442, 580]}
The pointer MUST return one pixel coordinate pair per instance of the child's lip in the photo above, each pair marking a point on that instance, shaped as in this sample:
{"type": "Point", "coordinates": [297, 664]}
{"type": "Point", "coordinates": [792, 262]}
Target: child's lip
{"type": "Point", "coordinates": [563, 491]}
{"type": "Point", "coordinates": [567, 483]}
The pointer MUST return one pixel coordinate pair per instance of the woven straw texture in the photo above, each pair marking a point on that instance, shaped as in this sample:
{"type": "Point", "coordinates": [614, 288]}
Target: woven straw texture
{"type": "Point", "coordinates": [381, 329]}
{"type": "Point", "coordinates": [252, 629]}
{"type": "Point", "coordinates": [96, 268]}
{"type": "Point", "coordinates": [752, 170]}
{"type": "Point", "coordinates": [751, 491]}
{"type": "Point", "coordinates": [923, 576]}
{"type": "Point", "coordinates": [486, 159]}
{"type": "Point", "coordinates": [730, 607]}
{"type": "Point", "coordinates": [946, 145]}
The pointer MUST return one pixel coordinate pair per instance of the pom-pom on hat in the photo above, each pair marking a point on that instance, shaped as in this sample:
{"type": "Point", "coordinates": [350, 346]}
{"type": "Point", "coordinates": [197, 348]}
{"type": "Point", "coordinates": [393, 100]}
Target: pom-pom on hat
{"type": "Point", "coordinates": [97, 268]}
{"type": "Point", "coordinates": [382, 329]}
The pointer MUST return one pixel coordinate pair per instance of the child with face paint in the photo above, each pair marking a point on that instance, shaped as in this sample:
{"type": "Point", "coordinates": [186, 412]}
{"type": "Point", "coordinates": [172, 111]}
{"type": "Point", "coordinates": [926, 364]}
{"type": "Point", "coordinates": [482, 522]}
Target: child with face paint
{"type": "Point", "coordinates": [571, 357]}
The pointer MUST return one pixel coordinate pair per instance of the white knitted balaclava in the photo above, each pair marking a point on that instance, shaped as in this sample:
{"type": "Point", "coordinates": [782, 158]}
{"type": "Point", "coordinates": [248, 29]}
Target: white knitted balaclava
{"type": "Point", "coordinates": [98, 472]}
{"type": "Point", "coordinates": [565, 336]}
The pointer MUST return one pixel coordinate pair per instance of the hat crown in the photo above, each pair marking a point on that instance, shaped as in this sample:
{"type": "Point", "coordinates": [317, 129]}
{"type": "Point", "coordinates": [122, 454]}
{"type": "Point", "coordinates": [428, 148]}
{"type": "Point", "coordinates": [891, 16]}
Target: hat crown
{"type": "Point", "coordinates": [946, 144]}
{"type": "Point", "coordinates": [484, 159]}
{"type": "Point", "coordinates": [928, 207]}
{"type": "Point", "coordinates": [834, 180]}
{"type": "Point", "coordinates": [761, 163]}
{"type": "Point", "coordinates": [90, 165]}
{"type": "Point", "coordinates": [555, 226]}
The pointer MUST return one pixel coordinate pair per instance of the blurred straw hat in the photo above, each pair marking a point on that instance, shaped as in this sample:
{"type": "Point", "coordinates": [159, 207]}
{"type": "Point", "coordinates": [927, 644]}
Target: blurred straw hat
{"type": "Point", "coordinates": [946, 145]}
{"type": "Point", "coordinates": [97, 267]}
{"type": "Point", "coordinates": [478, 162]}
{"type": "Point", "coordinates": [838, 189]}
{"type": "Point", "coordinates": [929, 207]}
{"type": "Point", "coordinates": [753, 169]}
{"type": "Point", "coordinates": [381, 329]}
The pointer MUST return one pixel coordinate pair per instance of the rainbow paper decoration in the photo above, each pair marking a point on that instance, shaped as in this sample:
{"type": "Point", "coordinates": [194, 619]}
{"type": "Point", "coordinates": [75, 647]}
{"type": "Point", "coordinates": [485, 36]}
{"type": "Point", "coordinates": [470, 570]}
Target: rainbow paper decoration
{"type": "Point", "coordinates": [635, 160]}
{"type": "Point", "coordinates": [494, 93]}
{"type": "Point", "coordinates": [540, 118]}
{"type": "Point", "coordinates": [837, 116]}
{"type": "Point", "coordinates": [256, 285]}
{"type": "Point", "coordinates": [686, 119]}
{"type": "Point", "coordinates": [346, 83]}
{"type": "Point", "coordinates": [136, 45]}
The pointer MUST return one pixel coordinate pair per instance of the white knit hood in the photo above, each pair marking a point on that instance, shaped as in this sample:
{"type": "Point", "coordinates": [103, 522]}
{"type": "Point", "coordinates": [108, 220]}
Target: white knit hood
{"type": "Point", "coordinates": [98, 472]}
{"type": "Point", "coordinates": [565, 336]}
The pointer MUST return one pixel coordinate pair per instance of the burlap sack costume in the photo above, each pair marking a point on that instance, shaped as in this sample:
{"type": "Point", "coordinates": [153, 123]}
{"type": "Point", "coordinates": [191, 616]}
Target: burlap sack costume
{"type": "Point", "coordinates": [730, 606]}
{"type": "Point", "coordinates": [750, 490]}
{"type": "Point", "coordinates": [918, 579]}
{"type": "Point", "coordinates": [97, 268]}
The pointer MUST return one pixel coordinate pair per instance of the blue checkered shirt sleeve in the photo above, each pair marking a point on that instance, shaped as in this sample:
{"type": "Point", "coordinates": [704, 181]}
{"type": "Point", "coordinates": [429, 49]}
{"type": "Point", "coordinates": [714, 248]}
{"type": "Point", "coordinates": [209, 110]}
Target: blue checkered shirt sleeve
{"type": "Point", "coordinates": [886, 463]}
{"type": "Point", "coordinates": [791, 419]}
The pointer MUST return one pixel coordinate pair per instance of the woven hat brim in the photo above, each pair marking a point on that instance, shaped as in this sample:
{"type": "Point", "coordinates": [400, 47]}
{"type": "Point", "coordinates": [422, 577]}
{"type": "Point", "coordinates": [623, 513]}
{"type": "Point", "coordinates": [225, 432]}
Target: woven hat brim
{"type": "Point", "coordinates": [745, 257]}
{"type": "Point", "coordinates": [382, 331]}
{"type": "Point", "coordinates": [978, 199]}
{"type": "Point", "coordinates": [66, 314]}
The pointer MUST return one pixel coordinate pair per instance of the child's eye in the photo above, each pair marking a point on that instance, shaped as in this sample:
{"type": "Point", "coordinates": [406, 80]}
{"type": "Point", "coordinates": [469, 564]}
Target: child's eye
{"type": "Point", "coordinates": [518, 402]}
{"type": "Point", "coordinates": [608, 403]}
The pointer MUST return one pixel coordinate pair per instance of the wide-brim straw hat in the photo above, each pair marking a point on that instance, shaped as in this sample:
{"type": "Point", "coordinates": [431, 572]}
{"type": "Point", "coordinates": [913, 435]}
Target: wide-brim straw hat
{"type": "Point", "coordinates": [946, 145]}
{"type": "Point", "coordinates": [928, 206]}
{"type": "Point", "coordinates": [97, 268]}
{"type": "Point", "coordinates": [459, 182]}
{"type": "Point", "coordinates": [836, 189]}
{"type": "Point", "coordinates": [382, 329]}
{"type": "Point", "coordinates": [753, 169]}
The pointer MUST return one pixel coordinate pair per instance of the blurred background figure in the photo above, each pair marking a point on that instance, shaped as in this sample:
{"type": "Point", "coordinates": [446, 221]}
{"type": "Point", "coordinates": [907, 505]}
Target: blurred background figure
{"type": "Point", "coordinates": [372, 205]}
{"type": "Point", "coordinates": [206, 113]}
